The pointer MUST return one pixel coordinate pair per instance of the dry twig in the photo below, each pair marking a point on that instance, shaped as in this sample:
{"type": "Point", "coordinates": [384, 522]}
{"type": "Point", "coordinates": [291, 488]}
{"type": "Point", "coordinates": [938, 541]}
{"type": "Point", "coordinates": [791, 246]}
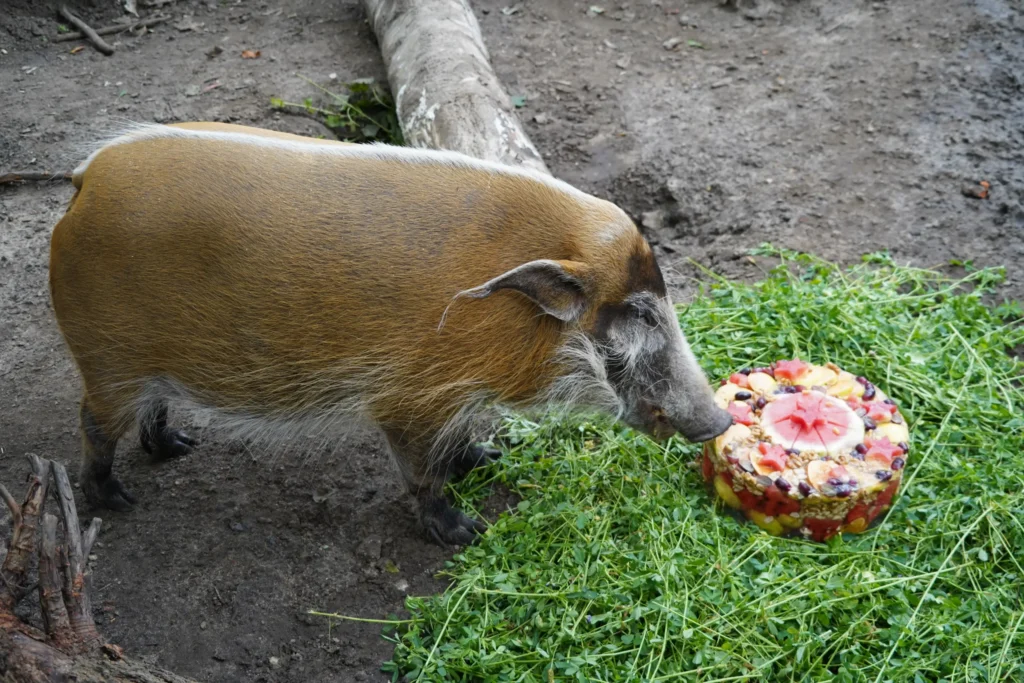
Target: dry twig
{"type": "Point", "coordinates": [68, 647]}
{"type": "Point", "coordinates": [87, 31]}
{"type": "Point", "coordinates": [21, 176]}
{"type": "Point", "coordinates": [115, 28]}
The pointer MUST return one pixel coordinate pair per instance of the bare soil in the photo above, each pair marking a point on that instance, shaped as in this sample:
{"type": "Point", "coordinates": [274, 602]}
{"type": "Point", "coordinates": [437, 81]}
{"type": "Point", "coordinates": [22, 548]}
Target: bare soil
{"type": "Point", "coordinates": [835, 126]}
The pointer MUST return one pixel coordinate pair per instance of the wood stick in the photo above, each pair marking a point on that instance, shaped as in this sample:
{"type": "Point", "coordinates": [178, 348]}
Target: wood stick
{"type": "Point", "coordinates": [51, 596]}
{"type": "Point", "coordinates": [87, 31]}
{"type": "Point", "coordinates": [31, 175]}
{"type": "Point", "coordinates": [446, 94]}
{"type": "Point", "coordinates": [89, 536]}
{"type": "Point", "coordinates": [108, 30]}
{"type": "Point", "coordinates": [62, 653]}
{"type": "Point", "coordinates": [75, 596]}
{"type": "Point", "coordinates": [12, 505]}
{"type": "Point", "coordinates": [23, 535]}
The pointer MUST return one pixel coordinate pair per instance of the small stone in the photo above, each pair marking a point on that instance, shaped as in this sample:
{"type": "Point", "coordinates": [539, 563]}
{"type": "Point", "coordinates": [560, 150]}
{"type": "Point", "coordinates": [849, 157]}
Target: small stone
{"type": "Point", "coordinates": [202, 625]}
{"type": "Point", "coordinates": [275, 663]}
{"type": "Point", "coordinates": [672, 43]}
{"type": "Point", "coordinates": [370, 548]}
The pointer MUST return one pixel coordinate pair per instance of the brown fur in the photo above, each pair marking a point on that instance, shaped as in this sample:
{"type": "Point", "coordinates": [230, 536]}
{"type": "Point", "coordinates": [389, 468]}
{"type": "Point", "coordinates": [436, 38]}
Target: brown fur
{"type": "Point", "coordinates": [274, 281]}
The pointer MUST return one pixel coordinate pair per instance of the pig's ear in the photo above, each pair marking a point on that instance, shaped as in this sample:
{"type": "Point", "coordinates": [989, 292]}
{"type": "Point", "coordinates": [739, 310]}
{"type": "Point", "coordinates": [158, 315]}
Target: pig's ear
{"type": "Point", "coordinates": [555, 286]}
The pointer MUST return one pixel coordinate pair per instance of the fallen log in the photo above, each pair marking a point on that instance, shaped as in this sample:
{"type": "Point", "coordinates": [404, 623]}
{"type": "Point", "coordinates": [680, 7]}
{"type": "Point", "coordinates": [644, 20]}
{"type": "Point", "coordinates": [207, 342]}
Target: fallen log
{"type": "Point", "coordinates": [66, 646]}
{"type": "Point", "coordinates": [447, 96]}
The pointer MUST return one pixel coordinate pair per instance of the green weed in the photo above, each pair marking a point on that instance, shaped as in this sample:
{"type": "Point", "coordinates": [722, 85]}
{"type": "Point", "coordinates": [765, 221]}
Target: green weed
{"type": "Point", "coordinates": [365, 113]}
{"type": "Point", "coordinates": [618, 565]}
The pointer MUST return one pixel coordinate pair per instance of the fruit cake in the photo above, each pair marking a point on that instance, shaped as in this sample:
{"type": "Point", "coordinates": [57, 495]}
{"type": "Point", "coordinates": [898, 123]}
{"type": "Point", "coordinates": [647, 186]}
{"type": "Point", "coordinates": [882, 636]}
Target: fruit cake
{"type": "Point", "coordinates": [812, 450]}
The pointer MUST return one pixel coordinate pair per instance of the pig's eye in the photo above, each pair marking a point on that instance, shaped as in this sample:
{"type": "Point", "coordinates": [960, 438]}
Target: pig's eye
{"type": "Point", "coordinates": [643, 315]}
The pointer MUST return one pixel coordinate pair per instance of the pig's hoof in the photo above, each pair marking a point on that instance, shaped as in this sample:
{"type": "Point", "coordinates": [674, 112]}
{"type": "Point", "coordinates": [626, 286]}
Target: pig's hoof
{"type": "Point", "coordinates": [108, 493]}
{"type": "Point", "coordinates": [448, 526]}
{"type": "Point", "coordinates": [167, 443]}
{"type": "Point", "coordinates": [472, 458]}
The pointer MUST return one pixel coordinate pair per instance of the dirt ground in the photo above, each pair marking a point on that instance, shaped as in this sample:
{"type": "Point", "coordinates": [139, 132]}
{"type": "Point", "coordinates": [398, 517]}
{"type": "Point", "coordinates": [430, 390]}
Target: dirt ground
{"type": "Point", "coordinates": [835, 126]}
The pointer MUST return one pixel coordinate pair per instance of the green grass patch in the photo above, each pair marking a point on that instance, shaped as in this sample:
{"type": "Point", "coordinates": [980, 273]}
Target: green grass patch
{"type": "Point", "coordinates": [619, 567]}
{"type": "Point", "coordinates": [364, 112]}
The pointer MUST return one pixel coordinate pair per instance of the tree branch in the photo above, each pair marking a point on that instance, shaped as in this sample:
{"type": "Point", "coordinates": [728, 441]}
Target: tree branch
{"type": "Point", "coordinates": [108, 30]}
{"type": "Point", "coordinates": [89, 537]}
{"type": "Point", "coordinates": [51, 596]}
{"type": "Point", "coordinates": [75, 596]}
{"type": "Point", "coordinates": [87, 31]}
{"type": "Point", "coordinates": [23, 534]}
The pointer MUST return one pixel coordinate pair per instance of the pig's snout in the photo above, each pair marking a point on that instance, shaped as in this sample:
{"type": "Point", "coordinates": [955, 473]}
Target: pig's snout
{"type": "Point", "coordinates": [706, 428]}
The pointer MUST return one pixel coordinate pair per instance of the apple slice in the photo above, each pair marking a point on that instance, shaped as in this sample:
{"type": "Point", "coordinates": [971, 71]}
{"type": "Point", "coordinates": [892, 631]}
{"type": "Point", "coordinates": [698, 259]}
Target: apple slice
{"type": "Point", "coordinates": [865, 476]}
{"type": "Point", "coordinates": [762, 383]}
{"type": "Point", "coordinates": [732, 436]}
{"type": "Point", "coordinates": [892, 431]}
{"type": "Point", "coordinates": [819, 376]}
{"type": "Point", "coordinates": [845, 387]}
{"type": "Point", "coordinates": [818, 473]}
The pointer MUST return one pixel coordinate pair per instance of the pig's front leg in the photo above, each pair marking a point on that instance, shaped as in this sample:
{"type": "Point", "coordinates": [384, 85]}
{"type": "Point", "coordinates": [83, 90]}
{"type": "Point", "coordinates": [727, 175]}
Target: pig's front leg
{"type": "Point", "coordinates": [425, 480]}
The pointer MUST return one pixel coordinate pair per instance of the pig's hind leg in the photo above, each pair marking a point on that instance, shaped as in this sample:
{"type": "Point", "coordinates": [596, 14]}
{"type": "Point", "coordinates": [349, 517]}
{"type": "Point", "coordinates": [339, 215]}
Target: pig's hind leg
{"type": "Point", "coordinates": [160, 440]}
{"type": "Point", "coordinates": [471, 457]}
